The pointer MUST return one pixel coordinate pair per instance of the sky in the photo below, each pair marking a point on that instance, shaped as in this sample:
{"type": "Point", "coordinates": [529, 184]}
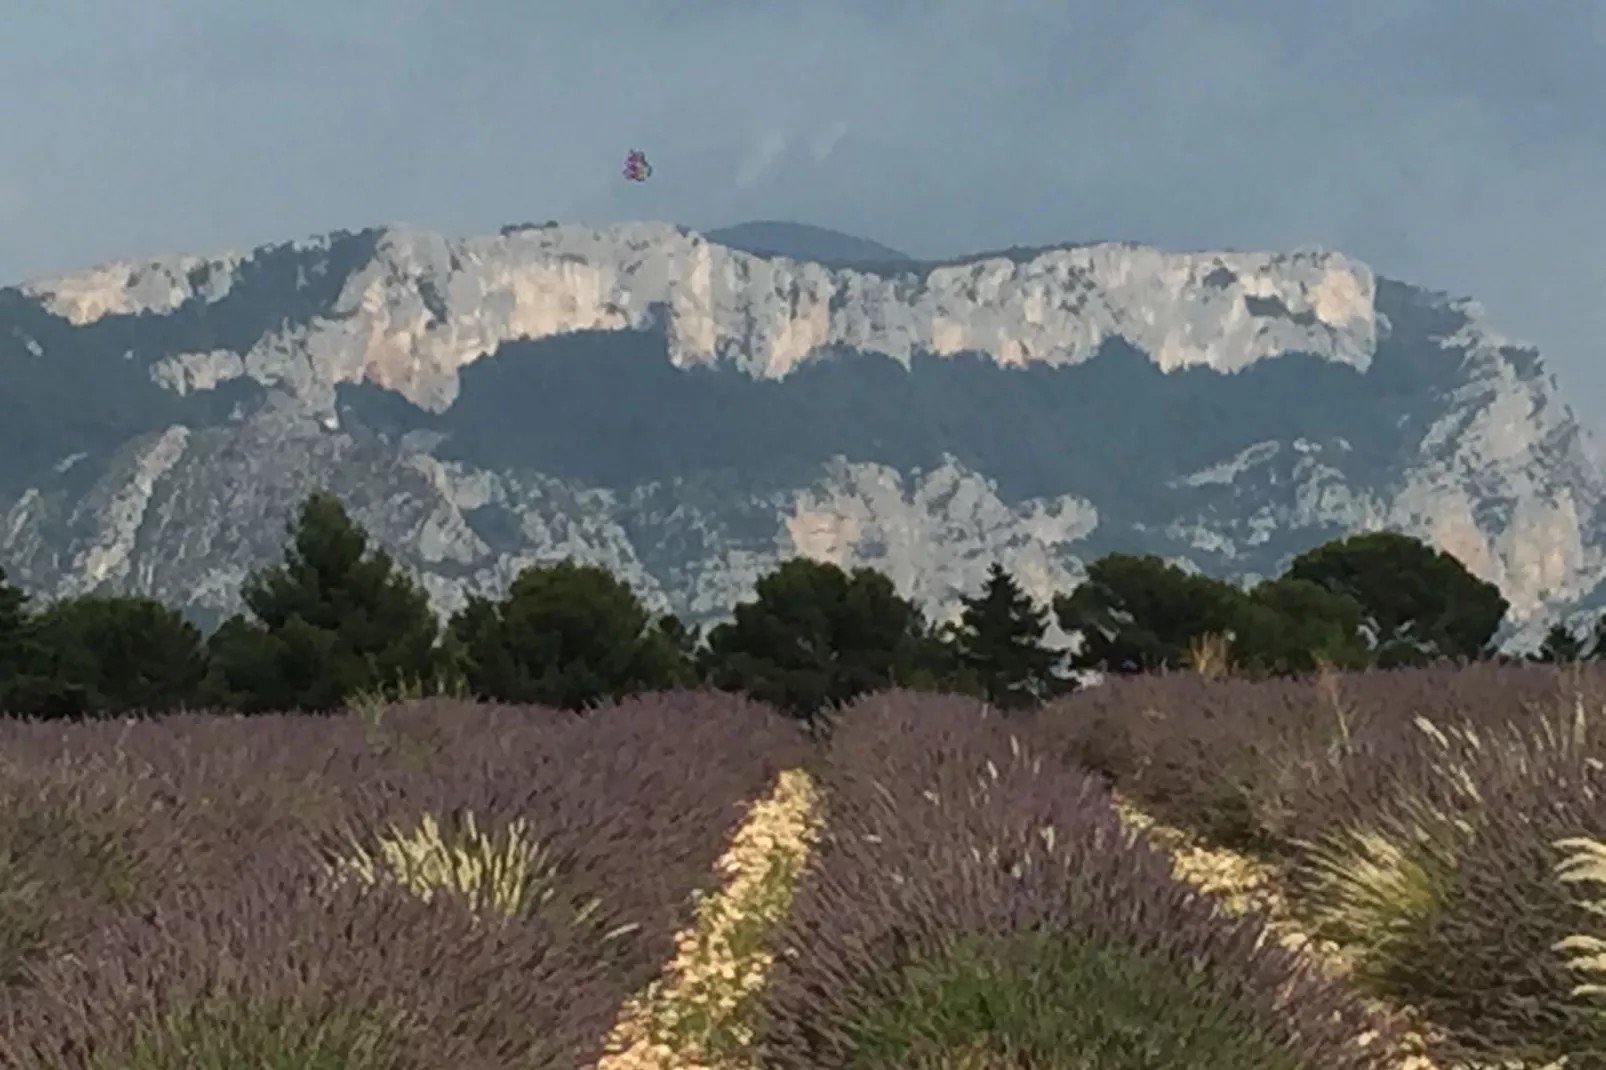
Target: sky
{"type": "Point", "coordinates": [1458, 144]}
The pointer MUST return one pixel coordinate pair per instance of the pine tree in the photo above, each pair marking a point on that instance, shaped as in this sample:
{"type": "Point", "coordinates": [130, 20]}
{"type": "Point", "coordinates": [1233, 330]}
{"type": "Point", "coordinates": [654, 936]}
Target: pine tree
{"type": "Point", "coordinates": [999, 643]}
{"type": "Point", "coordinates": [13, 626]}
{"type": "Point", "coordinates": [332, 620]}
{"type": "Point", "coordinates": [567, 635]}
{"type": "Point", "coordinates": [18, 651]}
{"type": "Point", "coordinates": [1594, 649]}
{"type": "Point", "coordinates": [1560, 647]}
{"type": "Point", "coordinates": [813, 638]}
{"type": "Point", "coordinates": [114, 654]}
{"type": "Point", "coordinates": [30, 684]}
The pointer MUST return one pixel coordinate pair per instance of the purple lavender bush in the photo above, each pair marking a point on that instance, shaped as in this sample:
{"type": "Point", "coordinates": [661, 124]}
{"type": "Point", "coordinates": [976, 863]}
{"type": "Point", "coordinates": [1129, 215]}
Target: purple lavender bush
{"type": "Point", "coordinates": [632, 803]}
{"type": "Point", "coordinates": [973, 903]}
{"type": "Point", "coordinates": [284, 970]}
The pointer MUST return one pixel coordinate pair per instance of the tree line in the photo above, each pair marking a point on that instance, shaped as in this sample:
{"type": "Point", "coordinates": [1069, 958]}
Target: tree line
{"type": "Point", "coordinates": [337, 618]}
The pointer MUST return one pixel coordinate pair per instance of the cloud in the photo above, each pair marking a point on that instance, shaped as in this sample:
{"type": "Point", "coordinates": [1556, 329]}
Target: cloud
{"type": "Point", "coordinates": [760, 159]}
{"type": "Point", "coordinates": [824, 142]}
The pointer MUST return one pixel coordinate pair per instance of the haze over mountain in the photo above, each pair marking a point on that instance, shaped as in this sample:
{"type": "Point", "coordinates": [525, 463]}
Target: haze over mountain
{"type": "Point", "coordinates": [688, 414]}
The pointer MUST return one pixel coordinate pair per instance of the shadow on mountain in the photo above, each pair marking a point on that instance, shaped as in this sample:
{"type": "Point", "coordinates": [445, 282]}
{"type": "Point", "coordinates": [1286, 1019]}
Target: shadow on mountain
{"type": "Point", "coordinates": [274, 286]}
{"type": "Point", "coordinates": [68, 390]}
{"type": "Point", "coordinates": [607, 408]}
{"type": "Point", "coordinates": [76, 401]}
{"type": "Point", "coordinates": [801, 241]}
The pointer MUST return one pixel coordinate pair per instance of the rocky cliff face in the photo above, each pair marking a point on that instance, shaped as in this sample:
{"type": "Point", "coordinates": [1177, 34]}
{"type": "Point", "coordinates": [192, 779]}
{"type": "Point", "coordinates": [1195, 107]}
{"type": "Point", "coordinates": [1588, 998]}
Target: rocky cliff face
{"type": "Point", "coordinates": [688, 414]}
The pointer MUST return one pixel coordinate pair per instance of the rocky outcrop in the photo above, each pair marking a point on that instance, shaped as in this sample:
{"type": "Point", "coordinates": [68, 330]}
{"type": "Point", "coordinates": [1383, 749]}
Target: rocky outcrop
{"type": "Point", "coordinates": [425, 305]}
{"type": "Point", "coordinates": [688, 414]}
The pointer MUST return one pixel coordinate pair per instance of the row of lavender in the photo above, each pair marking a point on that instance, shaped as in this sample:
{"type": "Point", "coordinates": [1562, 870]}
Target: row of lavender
{"type": "Point", "coordinates": [933, 885]}
{"type": "Point", "coordinates": [1441, 827]}
{"type": "Point", "coordinates": [168, 882]}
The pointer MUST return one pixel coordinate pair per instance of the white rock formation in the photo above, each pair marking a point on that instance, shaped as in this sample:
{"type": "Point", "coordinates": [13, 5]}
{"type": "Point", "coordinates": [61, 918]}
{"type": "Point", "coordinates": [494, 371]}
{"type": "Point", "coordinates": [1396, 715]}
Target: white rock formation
{"type": "Point", "coordinates": [423, 306]}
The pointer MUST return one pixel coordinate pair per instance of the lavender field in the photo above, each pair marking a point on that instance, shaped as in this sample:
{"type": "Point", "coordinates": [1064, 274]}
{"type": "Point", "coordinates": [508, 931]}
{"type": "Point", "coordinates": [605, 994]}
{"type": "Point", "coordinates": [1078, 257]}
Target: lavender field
{"type": "Point", "coordinates": [1351, 872]}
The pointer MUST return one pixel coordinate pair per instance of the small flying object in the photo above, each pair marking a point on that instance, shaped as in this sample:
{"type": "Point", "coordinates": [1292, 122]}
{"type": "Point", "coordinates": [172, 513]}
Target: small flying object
{"type": "Point", "coordinates": [637, 169]}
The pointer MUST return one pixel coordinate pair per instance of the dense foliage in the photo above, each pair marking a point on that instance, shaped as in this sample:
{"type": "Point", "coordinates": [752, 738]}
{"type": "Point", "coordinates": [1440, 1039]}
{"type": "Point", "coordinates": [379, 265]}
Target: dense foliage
{"type": "Point", "coordinates": [999, 645]}
{"type": "Point", "coordinates": [568, 636]}
{"type": "Point", "coordinates": [337, 621]}
{"type": "Point", "coordinates": [120, 654]}
{"type": "Point", "coordinates": [1419, 602]}
{"type": "Point", "coordinates": [814, 636]}
{"type": "Point", "coordinates": [333, 619]}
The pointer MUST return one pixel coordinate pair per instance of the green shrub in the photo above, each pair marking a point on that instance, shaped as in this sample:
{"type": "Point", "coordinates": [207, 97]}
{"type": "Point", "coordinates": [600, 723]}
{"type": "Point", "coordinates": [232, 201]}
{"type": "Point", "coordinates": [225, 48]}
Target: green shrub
{"type": "Point", "coordinates": [1040, 999]}
{"type": "Point", "coordinates": [225, 1034]}
{"type": "Point", "coordinates": [58, 861]}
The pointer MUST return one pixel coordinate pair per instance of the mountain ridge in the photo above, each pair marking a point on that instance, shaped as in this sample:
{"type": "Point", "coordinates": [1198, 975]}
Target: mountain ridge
{"type": "Point", "coordinates": [911, 416]}
{"type": "Point", "coordinates": [801, 241]}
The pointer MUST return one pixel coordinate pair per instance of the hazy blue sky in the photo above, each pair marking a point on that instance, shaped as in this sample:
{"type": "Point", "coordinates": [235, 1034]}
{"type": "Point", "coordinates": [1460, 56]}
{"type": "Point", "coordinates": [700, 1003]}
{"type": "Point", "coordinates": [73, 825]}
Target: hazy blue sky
{"type": "Point", "coordinates": [1456, 143]}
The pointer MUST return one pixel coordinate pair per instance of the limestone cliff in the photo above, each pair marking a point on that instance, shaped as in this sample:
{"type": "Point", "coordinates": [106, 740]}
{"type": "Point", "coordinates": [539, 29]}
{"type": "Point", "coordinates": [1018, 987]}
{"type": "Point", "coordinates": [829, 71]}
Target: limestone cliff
{"type": "Point", "coordinates": [688, 414]}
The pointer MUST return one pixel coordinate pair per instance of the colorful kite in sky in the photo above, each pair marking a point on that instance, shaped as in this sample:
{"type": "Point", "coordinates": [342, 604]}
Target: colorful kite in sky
{"type": "Point", "coordinates": [637, 169]}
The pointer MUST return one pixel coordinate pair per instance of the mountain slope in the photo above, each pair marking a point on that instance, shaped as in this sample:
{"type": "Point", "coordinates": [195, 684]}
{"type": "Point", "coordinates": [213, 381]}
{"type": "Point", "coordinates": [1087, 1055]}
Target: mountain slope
{"type": "Point", "coordinates": [799, 241]}
{"type": "Point", "coordinates": [688, 414]}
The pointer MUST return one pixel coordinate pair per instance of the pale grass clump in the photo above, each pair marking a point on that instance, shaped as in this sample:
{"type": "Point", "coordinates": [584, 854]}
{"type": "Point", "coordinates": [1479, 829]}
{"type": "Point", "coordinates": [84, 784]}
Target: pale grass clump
{"type": "Point", "coordinates": [1360, 891]}
{"type": "Point", "coordinates": [1370, 889]}
{"type": "Point", "coordinates": [693, 1016]}
{"type": "Point", "coordinates": [509, 874]}
{"type": "Point", "coordinates": [1239, 885]}
{"type": "Point", "coordinates": [371, 704]}
{"type": "Point", "coordinates": [1377, 890]}
{"type": "Point", "coordinates": [1210, 655]}
{"type": "Point", "coordinates": [1367, 889]}
{"type": "Point", "coordinates": [1586, 864]}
